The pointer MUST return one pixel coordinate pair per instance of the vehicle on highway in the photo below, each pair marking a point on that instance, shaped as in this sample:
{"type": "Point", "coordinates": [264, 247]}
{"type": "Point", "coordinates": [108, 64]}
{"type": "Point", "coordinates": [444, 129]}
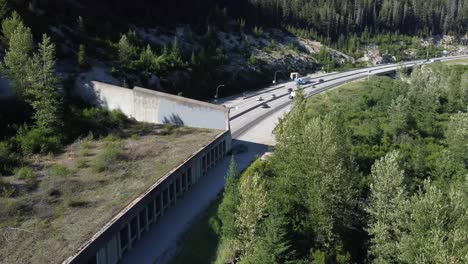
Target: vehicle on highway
{"type": "Point", "coordinates": [265, 105]}
{"type": "Point", "coordinates": [303, 80]}
{"type": "Point", "coordinates": [273, 96]}
{"type": "Point", "coordinates": [320, 80]}
{"type": "Point", "coordinates": [289, 89]}
{"type": "Point", "coordinates": [292, 94]}
{"type": "Point", "coordinates": [259, 98]}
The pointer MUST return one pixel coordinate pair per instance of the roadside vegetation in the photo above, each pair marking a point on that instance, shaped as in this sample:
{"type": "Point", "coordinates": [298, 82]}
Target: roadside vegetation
{"type": "Point", "coordinates": [372, 172]}
{"type": "Point", "coordinates": [63, 198]}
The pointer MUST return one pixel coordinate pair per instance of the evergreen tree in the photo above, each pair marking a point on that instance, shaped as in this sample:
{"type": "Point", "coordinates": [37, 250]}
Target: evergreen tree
{"type": "Point", "coordinates": [457, 137]}
{"type": "Point", "coordinates": [386, 209]}
{"type": "Point", "coordinates": [17, 58]}
{"type": "Point", "coordinates": [230, 201]}
{"type": "Point", "coordinates": [273, 246]}
{"type": "Point", "coordinates": [147, 60]}
{"type": "Point", "coordinates": [4, 9]}
{"type": "Point", "coordinates": [127, 53]}
{"type": "Point", "coordinates": [43, 91]}
{"type": "Point", "coordinates": [10, 24]}
{"type": "Point", "coordinates": [251, 210]}
{"type": "Point", "coordinates": [398, 114]}
{"type": "Point", "coordinates": [82, 56]}
{"type": "Point", "coordinates": [437, 227]}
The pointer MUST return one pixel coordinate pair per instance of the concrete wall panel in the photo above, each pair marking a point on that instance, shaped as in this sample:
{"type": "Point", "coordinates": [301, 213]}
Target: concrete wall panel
{"type": "Point", "coordinates": [108, 96]}
{"type": "Point", "coordinates": [156, 107]}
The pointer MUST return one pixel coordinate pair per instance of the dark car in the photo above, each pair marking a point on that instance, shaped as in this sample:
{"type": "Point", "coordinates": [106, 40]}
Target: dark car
{"type": "Point", "coordinates": [320, 80]}
{"type": "Point", "coordinates": [289, 89]}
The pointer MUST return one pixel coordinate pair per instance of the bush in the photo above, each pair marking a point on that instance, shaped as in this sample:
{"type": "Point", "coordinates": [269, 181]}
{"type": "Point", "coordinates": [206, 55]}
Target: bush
{"type": "Point", "coordinates": [6, 190]}
{"type": "Point", "coordinates": [38, 140]}
{"type": "Point", "coordinates": [106, 159]}
{"type": "Point", "coordinates": [59, 170]}
{"type": "Point", "coordinates": [101, 120]}
{"type": "Point", "coordinates": [8, 158]}
{"type": "Point", "coordinates": [84, 148]}
{"type": "Point", "coordinates": [26, 174]}
{"type": "Point", "coordinates": [82, 163]}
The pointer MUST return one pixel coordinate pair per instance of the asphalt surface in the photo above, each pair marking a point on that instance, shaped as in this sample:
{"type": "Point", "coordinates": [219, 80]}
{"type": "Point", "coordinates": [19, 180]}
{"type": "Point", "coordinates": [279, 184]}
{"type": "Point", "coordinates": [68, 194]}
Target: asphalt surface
{"type": "Point", "coordinates": [251, 126]}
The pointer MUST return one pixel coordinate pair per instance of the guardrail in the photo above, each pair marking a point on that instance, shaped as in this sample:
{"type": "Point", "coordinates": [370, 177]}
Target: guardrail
{"type": "Point", "coordinates": [250, 124]}
{"type": "Point", "coordinates": [405, 64]}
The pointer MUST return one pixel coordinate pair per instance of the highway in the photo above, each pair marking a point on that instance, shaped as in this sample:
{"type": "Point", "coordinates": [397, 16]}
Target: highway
{"type": "Point", "coordinates": [251, 126]}
{"type": "Point", "coordinates": [246, 111]}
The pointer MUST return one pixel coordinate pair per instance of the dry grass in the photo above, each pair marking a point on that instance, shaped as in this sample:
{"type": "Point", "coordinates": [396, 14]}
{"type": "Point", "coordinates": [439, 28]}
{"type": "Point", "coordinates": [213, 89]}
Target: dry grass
{"type": "Point", "coordinates": [72, 200]}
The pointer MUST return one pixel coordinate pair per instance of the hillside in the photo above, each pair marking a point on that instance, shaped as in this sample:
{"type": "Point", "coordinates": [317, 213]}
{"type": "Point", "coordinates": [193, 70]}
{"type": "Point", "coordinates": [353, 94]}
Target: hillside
{"type": "Point", "coordinates": [241, 44]}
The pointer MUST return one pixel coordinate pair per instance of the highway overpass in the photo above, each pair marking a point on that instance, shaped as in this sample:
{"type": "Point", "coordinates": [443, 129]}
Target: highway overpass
{"type": "Point", "coordinates": [251, 125]}
{"type": "Point", "coordinates": [247, 112]}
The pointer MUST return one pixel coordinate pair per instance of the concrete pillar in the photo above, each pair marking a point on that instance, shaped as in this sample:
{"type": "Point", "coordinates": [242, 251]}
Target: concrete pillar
{"type": "Point", "coordinates": [161, 204]}
{"type": "Point", "coordinates": [129, 231]}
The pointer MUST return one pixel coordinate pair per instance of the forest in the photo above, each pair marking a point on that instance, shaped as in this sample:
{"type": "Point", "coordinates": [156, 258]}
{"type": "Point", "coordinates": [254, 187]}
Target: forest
{"type": "Point", "coordinates": [375, 173]}
{"type": "Point", "coordinates": [327, 18]}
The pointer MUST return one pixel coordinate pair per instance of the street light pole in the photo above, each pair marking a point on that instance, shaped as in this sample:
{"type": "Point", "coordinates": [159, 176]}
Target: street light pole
{"type": "Point", "coordinates": [216, 95]}
{"type": "Point", "coordinates": [274, 78]}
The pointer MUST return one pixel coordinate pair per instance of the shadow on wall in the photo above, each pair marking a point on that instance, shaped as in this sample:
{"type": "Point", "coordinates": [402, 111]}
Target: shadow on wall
{"type": "Point", "coordinates": [173, 119]}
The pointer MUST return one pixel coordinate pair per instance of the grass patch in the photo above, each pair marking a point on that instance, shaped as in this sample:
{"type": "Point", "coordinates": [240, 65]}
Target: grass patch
{"type": "Point", "coordinates": [199, 244]}
{"type": "Point", "coordinates": [27, 174]}
{"type": "Point", "coordinates": [107, 159]}
{"type": "Point", "coordinates": [64, 212]}
{"type": "Point", "coordinates": [24, 173]}
{"type": "Point", "coordinates": [59, 170]}
{"type": "Point", "coordinates": [82, 163]}
{"type": "Point", "coordinates": [456, 62]}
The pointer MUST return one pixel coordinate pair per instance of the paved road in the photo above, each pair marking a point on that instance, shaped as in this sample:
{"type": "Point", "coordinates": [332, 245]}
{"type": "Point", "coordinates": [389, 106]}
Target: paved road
{"type": "Point", "coordinates": [252, 128]}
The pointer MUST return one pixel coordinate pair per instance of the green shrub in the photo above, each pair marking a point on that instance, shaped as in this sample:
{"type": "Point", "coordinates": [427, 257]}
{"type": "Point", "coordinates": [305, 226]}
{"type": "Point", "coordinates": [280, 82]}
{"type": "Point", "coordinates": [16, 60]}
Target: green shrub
{"type": "Point", "coordinates": [85, 146]}
{"type": "Point", "coordinates": [59, 170]}
{"type": "Point", "coordinates": [252, 60]}
{"type": "Point", "coordinates": [38, 140]}
{"type": "Point", "coordinates": [24, 172]}
{"type": "Point", "coordinates": [101, 120]}
{"type": "Point", "coordinates": [81, 163]}
{"type": "Point", "coordinates": [6, 190]}
{"type": "Point", "coordinates": [27, 174]}
{"type": "Point", "coordinates": [107, 159]}
{"type": "Point", "coordinates": [135, 136]}
{"type": "Point", "coordinates": [167, 129]}
{"type": "Point", "coordinates": [8, 158]}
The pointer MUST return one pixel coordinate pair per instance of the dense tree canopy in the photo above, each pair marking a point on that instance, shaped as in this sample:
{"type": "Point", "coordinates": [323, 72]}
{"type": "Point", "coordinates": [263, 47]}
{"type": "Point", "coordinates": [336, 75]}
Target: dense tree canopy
{"type": "Point", "coordinates": [366, 175]}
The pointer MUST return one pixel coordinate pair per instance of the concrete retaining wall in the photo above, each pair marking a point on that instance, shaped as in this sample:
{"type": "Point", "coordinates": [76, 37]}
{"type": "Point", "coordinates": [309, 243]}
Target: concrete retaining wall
{"type": "Point", "coordinates": [156, 107]}
{"type": "Point", "coordinates": [118, 236]}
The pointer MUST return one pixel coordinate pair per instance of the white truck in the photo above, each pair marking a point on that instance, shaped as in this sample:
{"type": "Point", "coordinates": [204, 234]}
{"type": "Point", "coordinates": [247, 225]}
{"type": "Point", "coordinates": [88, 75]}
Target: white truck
{"type": "Point", "coordinates": [303, 80]}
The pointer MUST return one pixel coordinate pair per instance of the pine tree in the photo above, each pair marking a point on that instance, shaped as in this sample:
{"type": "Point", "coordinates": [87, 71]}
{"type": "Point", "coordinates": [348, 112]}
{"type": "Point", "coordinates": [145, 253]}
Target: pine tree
{"type": "Point", "coordinates": [273, 246]}
{"type": "Point", "coordinates": [437, 227]}
{"type": "Point", "coordinates": [398, 114]}
{"type": "Point", "coordinates": [4, 9]}
{"type": "Point", "coordinates": [251, 210]}
{"type": "Point", "coordinates": [80, 25]}
{"type": "Point", "coordinates": [127, 53]}
{"type": "Point", "coordinates": [457, 137]}
{"type": "Point", "coordinates": [82, 56]}
{"type": "Point", "coordinates": [17, 58]}
{"type": "Point", "coordinates": [43, 91]}
{"type": "Point", "coordinates": [147, 60]}
{"type": "Point", "coordinates": [229, 204]}
{"type": "Point", "coordinates": [10, 24]}
{"type": "Point", "coordinates": [386, 209]}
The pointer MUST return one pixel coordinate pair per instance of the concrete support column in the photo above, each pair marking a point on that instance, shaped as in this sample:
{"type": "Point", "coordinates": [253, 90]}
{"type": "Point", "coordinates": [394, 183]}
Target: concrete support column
{"type": "Point", "coordinates": [129, 234]}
